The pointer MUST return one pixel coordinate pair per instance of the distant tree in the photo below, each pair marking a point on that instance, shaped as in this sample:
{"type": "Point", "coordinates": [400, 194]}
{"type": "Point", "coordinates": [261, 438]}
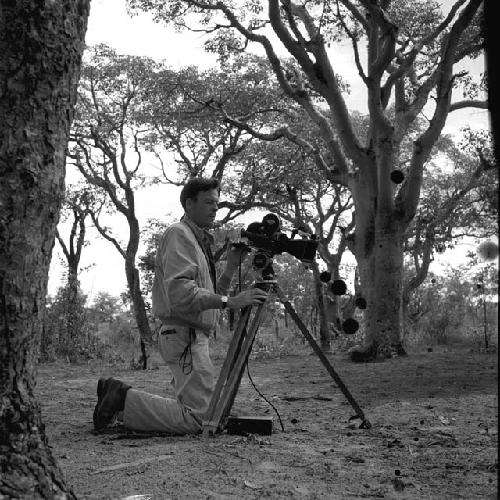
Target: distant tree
{"type": "Point", "coordinates": [105, 307]}
{"type": "Point", "coordinates": [67, 313]}
{"type": "Point", "coordinates": [410, 60]}
{"type": "Point", "coordinates": [449, 305]}
{"type": "Point", "coordinates": [186, 115]}
{"type": "Point", "coordinates": [107, 148]}
{"type": "Point", "coordinates": [151, 235]}
{"type": "Point", "coordinates": [76, 209]}
{"type": "Point", "coordinates": [41, 45]}
{"type": "Point", "coordinates": [458, 200]}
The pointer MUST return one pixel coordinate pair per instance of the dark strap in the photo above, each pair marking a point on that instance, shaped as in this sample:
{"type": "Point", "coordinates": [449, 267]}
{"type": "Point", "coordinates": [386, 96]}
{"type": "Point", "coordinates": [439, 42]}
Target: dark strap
{"type": "Point", "coordinates": [211, 264]}
{"type": "Point", "coordinates": [207, 251]}
{"type": "Point", "coordinates": [186, 358]}
{"type": "Point", "coordinates": [170, 331]}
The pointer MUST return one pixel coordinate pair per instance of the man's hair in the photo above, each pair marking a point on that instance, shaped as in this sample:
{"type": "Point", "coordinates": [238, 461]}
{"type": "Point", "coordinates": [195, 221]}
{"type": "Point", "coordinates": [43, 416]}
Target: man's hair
{"type": "Point", "coordinates": [195, 185]}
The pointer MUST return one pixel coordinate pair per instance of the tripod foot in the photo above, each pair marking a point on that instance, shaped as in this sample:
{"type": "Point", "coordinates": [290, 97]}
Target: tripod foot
{"type": "Point", "coordinates": [209, 428]}
{"type": "Point", "coordinates": [365, 424]}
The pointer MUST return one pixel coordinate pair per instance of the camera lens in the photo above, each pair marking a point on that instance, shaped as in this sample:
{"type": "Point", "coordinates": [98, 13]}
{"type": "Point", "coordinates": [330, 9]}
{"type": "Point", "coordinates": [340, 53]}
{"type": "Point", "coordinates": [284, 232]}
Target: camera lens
{"type": "Point", "coordinates": [259, 260]}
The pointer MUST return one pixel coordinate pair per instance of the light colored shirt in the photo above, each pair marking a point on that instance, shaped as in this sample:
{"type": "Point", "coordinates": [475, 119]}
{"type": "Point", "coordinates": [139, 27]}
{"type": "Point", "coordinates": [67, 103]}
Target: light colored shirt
{"type": "Point", "coordinates": [183, 292]}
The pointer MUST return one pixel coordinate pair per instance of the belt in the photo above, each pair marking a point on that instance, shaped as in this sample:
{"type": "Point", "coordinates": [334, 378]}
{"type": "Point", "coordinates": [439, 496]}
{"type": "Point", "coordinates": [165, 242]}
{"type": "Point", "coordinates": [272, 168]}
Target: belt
{"type": "Point", "coordinates": [169, 330]}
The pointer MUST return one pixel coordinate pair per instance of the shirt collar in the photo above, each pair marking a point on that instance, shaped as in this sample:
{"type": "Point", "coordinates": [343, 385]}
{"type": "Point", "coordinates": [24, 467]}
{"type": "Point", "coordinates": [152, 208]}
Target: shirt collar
{"type": "Point", "coordinates": [200, 233]}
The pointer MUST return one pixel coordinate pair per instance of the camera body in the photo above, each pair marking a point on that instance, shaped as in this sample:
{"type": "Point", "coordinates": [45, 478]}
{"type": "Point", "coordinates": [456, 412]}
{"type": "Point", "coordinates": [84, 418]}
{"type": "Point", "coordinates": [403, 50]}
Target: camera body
{"type": "Point", "coordinates": [268, 240]}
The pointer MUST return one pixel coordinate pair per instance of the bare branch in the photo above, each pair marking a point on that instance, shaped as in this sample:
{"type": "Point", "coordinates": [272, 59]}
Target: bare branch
{"type": "Point", "coordinates": [102, 231]}
{"type": "Point", "coordinates": [63, 244]}
{"type": "Point", "coordinates": [354, 42]}
{"type": "Point", "coordinates": [468, 103]}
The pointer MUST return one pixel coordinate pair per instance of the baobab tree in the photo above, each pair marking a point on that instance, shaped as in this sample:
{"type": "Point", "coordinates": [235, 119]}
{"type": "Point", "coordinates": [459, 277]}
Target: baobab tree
{"type": "Point", "coordinates": [409, 66]}
{"type": "Point", "coordinates": [41, 45]}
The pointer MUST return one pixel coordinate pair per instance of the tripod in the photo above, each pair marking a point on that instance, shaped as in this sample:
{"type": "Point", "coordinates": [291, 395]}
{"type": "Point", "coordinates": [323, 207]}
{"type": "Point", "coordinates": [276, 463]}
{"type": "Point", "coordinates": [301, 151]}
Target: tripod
{"type": "Point", "coordinates": [237, 356]}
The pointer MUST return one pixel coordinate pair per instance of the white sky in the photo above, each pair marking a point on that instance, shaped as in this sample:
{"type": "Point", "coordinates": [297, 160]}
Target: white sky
{"type": "Point", "coordinates": [110, 24]}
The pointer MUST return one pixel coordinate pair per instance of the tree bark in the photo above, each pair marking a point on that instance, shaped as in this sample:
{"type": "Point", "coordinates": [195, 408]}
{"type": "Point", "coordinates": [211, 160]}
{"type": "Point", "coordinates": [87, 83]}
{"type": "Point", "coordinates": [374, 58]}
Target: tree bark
{"type": "Point", "coordinates": [41, 44]}
{"type": "Point", "coordinates": [381, 277]}
{"type": "Point", "coordinates": [324, 333]}
{"type": "Point", "coordinates": [139, 307]}
{"type": "Point", "coordinates": [134, 286]}
{"type": "Point", "coordinates": [73, 336]}
{"type": "Point", "coordinates": [378, 246]}
{"type": "Point", "coordinates": [73, 323]}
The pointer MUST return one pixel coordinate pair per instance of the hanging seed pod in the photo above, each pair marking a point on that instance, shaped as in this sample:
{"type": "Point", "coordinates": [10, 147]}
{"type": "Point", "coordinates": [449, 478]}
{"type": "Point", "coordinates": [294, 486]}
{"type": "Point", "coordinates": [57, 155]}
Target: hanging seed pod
{"type": "Point", "coordinates": [360, 303]}
{"type": "Point", "coordinates": [350, 326]}
{"type": "Point", "coordinates": [338, 287]}
{"type": "Point", "coordinates": [397, 176]}
{"type": "Point", "coordinates": [325, 276]}
{"type": "Point", "coordinates": [488, 250]}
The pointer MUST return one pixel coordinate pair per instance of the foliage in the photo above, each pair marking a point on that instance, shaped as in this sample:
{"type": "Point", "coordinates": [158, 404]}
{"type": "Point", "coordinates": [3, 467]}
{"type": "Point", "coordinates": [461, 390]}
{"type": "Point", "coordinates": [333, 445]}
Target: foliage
{"type": "Point", "coordinates": [412, 48]}
{"type": "Point", "coordinates": [449, 308]}
{"type": "Point", "coordinates": [60, 339]}
{"type": "Point", "coordinates": [105, 308]}
{"type": "Point", "coordinates": [105, 330]}
{"type": "Point", "coordinates": [457, 201]}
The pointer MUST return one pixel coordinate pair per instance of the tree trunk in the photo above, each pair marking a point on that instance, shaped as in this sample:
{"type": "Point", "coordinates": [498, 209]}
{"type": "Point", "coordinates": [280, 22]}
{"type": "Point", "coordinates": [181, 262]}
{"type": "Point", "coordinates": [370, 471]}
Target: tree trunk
{"type": "Point", "coordinates": [324, 333]}
{"type": "Point", "coordinates": [381, 276]}
{"type": "Point", "coordinates": [41, 44]}
{"type": "Point", "coordinates": [141, 318]}
{"type": "Point", "coordinates": [73, 320]}
{"type": "Point", "coordinates": [134, 282]}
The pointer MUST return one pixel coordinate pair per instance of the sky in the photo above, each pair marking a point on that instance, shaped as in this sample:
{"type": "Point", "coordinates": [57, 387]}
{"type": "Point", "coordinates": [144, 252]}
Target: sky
{"type": "Point", "coordinates": [102, 266]}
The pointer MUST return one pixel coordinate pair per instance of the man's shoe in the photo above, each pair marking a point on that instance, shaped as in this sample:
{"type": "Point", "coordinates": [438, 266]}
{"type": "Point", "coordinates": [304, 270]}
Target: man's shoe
{"type": "Point", "coordinates": [102, 385]}
{"type": "Point", "coordinates": [113, 393]}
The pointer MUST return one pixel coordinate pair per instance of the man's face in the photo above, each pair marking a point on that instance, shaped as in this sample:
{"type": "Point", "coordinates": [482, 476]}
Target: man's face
{"type": "Point", "coordinates": [203, 210]}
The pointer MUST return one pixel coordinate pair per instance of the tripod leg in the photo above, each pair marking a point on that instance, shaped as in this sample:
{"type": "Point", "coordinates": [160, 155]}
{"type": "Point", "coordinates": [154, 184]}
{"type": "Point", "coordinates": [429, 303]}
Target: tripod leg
{"type": "Point", "coordinates": [288, 306]}
{"type": "Point", "coordinates": [231, 388]}
{"type": "Point", "coordinates": [226, 370]}
{"type": "Point", "coordinates": [232, 397]}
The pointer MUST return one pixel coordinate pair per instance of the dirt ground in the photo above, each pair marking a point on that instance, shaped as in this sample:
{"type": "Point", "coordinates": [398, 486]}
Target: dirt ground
{"type": "Point", "coordinates": [433, 436]}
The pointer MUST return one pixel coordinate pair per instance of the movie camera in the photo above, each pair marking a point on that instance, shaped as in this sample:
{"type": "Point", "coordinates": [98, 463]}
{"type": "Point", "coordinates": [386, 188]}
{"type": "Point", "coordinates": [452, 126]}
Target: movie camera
{"type": "Point", "coordinates": [268, 240]}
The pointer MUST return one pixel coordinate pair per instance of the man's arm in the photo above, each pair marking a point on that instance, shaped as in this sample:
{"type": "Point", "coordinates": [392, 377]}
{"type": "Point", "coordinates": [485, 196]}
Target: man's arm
{"type": "Point", "coordinates": [180, 269]}
{"type": "Point", "coordinates": [234, 257]}
{"type": "Point", "coordinates": [179, 260]}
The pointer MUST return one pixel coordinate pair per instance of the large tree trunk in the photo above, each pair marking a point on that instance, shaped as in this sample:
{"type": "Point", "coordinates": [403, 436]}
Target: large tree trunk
{"type": "Point", "coordinates": [41, 44]}
{"type": "Point", "coordinates": [381, 274]}
{"type": "Point", "coordinates": [379, 254]}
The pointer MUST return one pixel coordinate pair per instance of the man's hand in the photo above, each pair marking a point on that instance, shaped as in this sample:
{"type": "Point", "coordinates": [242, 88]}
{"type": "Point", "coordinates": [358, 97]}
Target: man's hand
{"type": "Point", "coordinates": [250, 297]}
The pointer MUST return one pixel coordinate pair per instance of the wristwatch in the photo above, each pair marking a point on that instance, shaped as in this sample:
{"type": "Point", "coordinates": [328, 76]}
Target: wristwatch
{"type": "Point", "coordinates": [224, 301]}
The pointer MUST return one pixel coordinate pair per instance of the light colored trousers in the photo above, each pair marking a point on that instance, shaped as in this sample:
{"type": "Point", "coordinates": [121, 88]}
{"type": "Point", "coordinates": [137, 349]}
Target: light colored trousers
{"type": "Point", "coordinates": [193, 385]}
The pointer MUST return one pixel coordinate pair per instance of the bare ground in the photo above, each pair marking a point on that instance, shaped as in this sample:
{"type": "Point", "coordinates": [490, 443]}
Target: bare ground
{"type": "Point", "coordinates": [433, 436]}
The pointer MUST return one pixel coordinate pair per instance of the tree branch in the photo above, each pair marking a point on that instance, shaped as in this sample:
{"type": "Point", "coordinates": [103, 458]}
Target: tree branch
{"type": "Point", "coordinates": [468, 103]}
{"type": "Point", "coordinates": [105, 235]}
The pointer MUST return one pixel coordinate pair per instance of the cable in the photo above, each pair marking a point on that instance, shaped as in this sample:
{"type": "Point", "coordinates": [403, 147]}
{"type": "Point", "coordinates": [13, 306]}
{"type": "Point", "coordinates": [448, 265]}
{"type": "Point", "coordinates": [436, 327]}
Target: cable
{"type": "Point", "coordinates": [264, 397]}
{"type": "Point", "coordinates": [246, 363]}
